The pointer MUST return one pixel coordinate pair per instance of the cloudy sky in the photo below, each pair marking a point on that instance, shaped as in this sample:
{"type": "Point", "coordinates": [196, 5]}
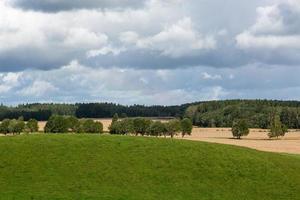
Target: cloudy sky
{"type": "Point", "coordinates": [148, 51]}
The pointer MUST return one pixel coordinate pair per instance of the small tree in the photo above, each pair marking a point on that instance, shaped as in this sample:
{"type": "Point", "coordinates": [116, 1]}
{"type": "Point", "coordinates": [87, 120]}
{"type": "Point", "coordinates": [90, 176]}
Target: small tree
{"type": "Point", "coordinates": [277, 129]}
{"type": "Point", "coordinates": [173, 127]}
{"type": "Point", "coordinates": [16, 126]}
{"type": "Point", "coordinates": [89, 126]}
{"type": "Point", "coordinates": [115, 118]}
{"type": "Point", "coordinates": [56, 124]}
{"type": "Point", "coordinates": [156, 128]}
{"type": "Point", "coordinates": [32, 126]}
{"type": "Point", "coordinates": [4, 126]}
{"type": "Point", "coordinates": [240, 128]}
{"type": "Point", "coordinates": [72, 123]}
{"type": "Point", "coordinates": [186, 127]}
{"type": "Point", "coordinates": [140, 126]}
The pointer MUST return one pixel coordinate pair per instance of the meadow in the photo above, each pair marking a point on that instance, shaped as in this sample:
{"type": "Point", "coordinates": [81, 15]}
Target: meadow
{"type": "Point", "coordinates": [257, 139]}
{"type": "Point", "coordinates": [124, 167]}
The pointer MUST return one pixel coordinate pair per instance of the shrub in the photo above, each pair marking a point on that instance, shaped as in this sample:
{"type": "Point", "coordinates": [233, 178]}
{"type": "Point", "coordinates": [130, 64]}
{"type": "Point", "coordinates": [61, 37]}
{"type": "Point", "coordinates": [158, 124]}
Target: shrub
{"type": "Point", "coordinates": [277, 129]}
{"type": "Point", "coordinates": [72, 124]}
{"type": "Point", "coordinates": [140, 126]}
{"type": "Point", "coordinates": [156, 128]}
{"type": "Point", "coordinates": [56, 124]}
{"type": "Point", "coordinates": [240, 128]}
{"type": "Point", "coordinates": [122, 127]}
{"type": "Point", "coordinates": [186, 127]}
{"type": "Point", "coordinates": [89, 126]}
{"type": "Point", "coordinates": [16, 126]}
{"type": "Point", "coordinates": [173, 127]}
{"type": "Point", "coordinates": [32, 126]}
{"type": "Point", "coordinates": [4, 126]}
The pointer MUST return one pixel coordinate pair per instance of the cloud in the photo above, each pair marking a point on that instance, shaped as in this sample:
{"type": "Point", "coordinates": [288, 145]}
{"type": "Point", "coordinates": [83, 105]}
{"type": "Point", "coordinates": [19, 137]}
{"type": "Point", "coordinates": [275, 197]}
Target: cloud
{"type": "Point", "coordinates": [58, 5]}
{"type": "Point", "coordinates": [177, 40]}
{"type": "Point", "coordinates": [38, 88]}
{"type": "Point", "coordinates": [208, 76]}
{"type": "Point", "coordinates": [276, 27]}
{"type": "Point", "coordinates": [8, 81]}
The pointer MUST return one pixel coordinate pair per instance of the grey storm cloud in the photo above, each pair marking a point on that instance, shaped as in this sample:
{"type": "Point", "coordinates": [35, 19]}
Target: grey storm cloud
{"type": "Point", "coordinates": [59, 5]}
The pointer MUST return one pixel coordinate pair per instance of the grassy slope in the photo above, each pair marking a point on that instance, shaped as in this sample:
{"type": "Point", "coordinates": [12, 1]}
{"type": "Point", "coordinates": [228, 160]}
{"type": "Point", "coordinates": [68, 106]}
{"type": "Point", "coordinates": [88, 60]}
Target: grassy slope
{"type": "Point", "coordinates": [112, 167]}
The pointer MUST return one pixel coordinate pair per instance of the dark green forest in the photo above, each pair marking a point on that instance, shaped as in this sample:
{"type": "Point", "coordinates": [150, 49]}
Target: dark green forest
{"type": "Point", "coordinates": [43, 112]}
{"type": "Point", "coordinates": [256, 112]}
{"type": "Point", "coordinates": [204, 114]}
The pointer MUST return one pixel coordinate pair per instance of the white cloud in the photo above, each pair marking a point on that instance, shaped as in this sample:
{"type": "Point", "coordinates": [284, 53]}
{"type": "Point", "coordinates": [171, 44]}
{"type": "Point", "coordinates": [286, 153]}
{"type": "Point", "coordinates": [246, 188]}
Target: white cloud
{"type": "Point", "coordinates": [9, 81]}
{"type": "Point", "coordinates": [276, 27]}
{"type": "Point", "coordinates": [208, 76]}
{"type": "Point", "coordinates": [177, 40]}
{"type": "Point", "coordinates": [38, 88]}
{"type": "Point", "coordinates": [105, 51]}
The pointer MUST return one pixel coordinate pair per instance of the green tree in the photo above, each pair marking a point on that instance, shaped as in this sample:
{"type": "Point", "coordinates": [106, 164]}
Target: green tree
{"type": "Point", "coordinates": [115, 118]}
{"type": "Point", "coordinates": [32, 126]}
{"type": "Point", "coordinates": [240, 128]}
{"type": "Point", "coordinates": [156, 128]}
{"type": "Point", "coordinates": [16, 126]}
{"type": "Point", "coordinates": [173, 127]}
{"type": "Point", "coordinates": [140, 126]}
{"type": "Point", "coordinates": [56, 124]}
{"type": "Point", "coordinates": [277, 129]}
{"type": "Point", "coordinates": [72, 123]}
{"type": "Point", "coordinates": [90, 126]}
{"type": "Point", "coordinates": [186, 127]}
{"type": "Point", "coordinates": [4, 126]}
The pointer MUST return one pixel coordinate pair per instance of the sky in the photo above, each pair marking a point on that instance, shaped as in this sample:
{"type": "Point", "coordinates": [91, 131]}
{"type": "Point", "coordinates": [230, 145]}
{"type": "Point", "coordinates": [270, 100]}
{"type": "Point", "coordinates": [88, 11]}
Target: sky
{"type": "Point", "coordinates": [148, 52]}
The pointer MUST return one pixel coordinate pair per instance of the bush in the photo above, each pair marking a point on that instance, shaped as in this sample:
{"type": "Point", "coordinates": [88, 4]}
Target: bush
{"type": "Point", "coordinates": [156, 128]}
{"type": "Point", "coordinates": [32, 126]}
{"type": "Point", "coordinates": [89, 126]}
{"type": "Point", "coordinates": [173, 127]}
{"type": "Point", "coordinates": [4, 126]}
{"type": "Point", "coordinates": [186, 127]}
{"type": "Point", "coordinates": [140, 125]}
{"type": "Point", "coordinates": [240, 128]}
{"type": "Point", "coordinates": [72, 124]}
{"type": "Point", "coordinates": [56, 124]}
{"type": "Point", "coordinates": [122, 127]}
{"type": "Point", "coordinates": [277, 129]}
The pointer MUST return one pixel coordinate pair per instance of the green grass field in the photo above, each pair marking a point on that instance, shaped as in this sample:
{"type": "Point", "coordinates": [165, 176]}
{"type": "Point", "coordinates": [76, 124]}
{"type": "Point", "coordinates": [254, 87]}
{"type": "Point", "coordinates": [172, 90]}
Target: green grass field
{"type": "Point", "coordinates": [125, 168]}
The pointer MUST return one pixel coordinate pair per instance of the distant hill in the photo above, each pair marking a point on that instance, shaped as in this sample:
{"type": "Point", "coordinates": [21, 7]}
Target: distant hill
{"type": "Point", "coordinates": [256, 112]}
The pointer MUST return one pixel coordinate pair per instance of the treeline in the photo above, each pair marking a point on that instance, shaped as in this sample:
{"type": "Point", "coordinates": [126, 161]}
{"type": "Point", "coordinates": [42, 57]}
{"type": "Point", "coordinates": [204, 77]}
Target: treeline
{"type": "Point", "coordinates": [55, 124]}
{"type": "Point", "coordinates": [17, 126]}
{"type": "Point", "coordinates": [146, 127]}
{"type": "Point", "coordinates": [42, 112]}
{"type": "Point", "coordinates": [63, 124]}
{"type": "Point", "coordinates": [257, 112]}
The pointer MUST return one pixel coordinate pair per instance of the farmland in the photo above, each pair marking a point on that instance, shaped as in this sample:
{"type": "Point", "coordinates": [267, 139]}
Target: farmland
{"type": "Point", "coordinates": [257, 139]}
{"type": "Point", "coordinates": [123, 167]}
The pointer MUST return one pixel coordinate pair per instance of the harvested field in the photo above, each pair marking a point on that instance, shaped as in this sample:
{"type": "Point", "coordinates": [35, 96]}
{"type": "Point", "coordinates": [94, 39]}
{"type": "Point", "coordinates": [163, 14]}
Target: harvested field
{"type": "Point", "coordinates": [257, 139]}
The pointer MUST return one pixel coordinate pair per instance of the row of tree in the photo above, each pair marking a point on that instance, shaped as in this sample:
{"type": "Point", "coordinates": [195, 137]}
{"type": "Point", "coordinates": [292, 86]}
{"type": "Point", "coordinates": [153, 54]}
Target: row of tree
{"type": "Point", "coordinates": [17, 126]}
{"type": "Point", "coordinates": [61, 124]}
{"type": "Point", "coordinates": [143, 126]}
{"type": "Point", "coordinates": [277, 128]}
